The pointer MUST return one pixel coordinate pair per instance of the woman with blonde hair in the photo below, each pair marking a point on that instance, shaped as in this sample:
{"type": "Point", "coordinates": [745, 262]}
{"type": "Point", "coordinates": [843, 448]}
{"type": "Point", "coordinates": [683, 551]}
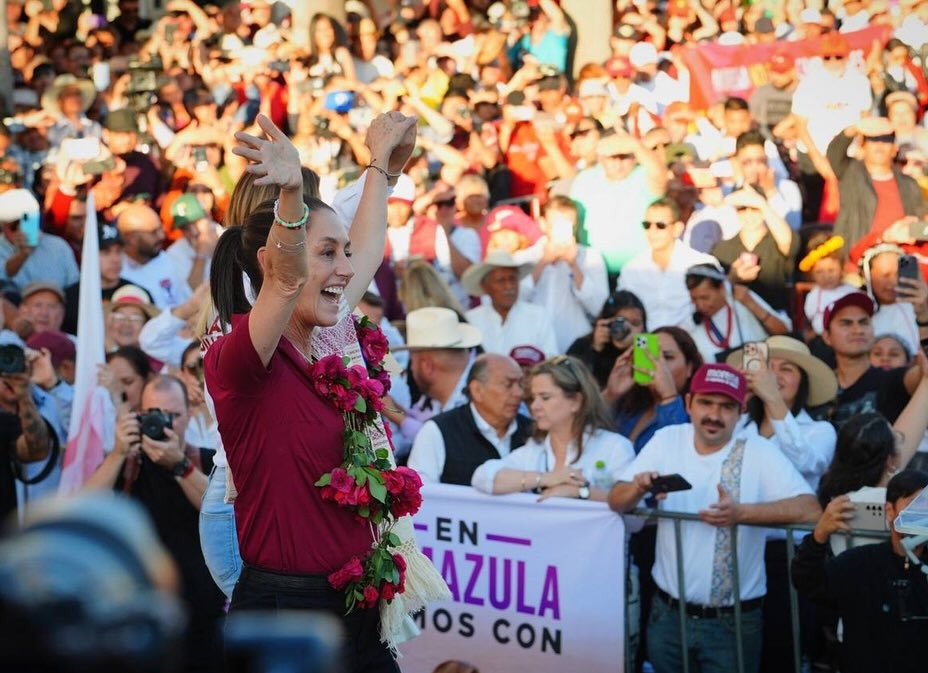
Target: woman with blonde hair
{"type": "Point", "coordinates": [572, 453]}
{"type": "Point", "coordinates": [422, 286]}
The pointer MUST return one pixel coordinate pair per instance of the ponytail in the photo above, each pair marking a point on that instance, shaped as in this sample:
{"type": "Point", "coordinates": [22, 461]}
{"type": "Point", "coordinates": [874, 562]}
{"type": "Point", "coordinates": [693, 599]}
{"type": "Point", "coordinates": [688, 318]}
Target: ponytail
{"type": "Point", "coordinates": [225, 277]}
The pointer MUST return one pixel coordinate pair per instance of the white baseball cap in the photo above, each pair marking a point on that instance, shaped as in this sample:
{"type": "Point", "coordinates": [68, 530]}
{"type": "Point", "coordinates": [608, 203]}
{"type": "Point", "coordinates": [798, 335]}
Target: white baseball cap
{"type": "Point", "coordinates": [642, 54]}
{"type": "Point", "coordinates": [16, 204]}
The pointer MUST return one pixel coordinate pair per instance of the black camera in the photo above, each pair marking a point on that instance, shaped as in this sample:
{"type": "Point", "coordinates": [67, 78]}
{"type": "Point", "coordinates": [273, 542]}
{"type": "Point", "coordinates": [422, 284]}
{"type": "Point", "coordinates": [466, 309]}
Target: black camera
{"type": "Point", "coordinates": [619, 329]}
{"type": "Point", "coordinates": [322, 127]}
{"type": "Point", "coordinates": [12, 360]}
{"type": "Point", "coordinates": [154, 423]}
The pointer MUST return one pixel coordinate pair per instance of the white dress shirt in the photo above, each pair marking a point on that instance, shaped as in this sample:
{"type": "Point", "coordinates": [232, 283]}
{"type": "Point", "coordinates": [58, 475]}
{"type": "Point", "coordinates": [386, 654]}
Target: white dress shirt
{"type": "Point", "coordinates": [740, 329]}
{"type": "Point", "coordinates": [605, 455]}
{"type": "Point", "coordinates": [428, 451]}
{"type": "Point", "coordinates": [574, 307]}
{"type": "Point", "coordinates": [526, 324]}
{"type": "Point", "coordinates": [663, 291]}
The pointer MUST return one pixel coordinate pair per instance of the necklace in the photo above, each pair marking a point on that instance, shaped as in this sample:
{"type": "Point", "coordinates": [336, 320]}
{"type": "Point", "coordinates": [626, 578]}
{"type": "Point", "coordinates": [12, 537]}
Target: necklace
{"type": "Point", "coordinates": [713, 333]}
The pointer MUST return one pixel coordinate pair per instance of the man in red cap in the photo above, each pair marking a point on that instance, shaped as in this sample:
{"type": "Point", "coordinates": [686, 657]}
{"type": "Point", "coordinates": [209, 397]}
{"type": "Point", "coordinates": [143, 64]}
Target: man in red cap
{"type": "Point", "coordinates": [726, 480]}
{"type": "Point", "coordinates": [772, 102]}
{"type": "Point", "coordinates": [831, 96]}
{"type": "Point", "coordinates": [862, 387]}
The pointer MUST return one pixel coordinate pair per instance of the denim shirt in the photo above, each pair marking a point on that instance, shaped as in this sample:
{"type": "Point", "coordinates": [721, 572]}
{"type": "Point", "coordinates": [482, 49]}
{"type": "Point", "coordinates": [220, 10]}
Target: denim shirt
{"type": "Point", "coordinates": [672, 413]}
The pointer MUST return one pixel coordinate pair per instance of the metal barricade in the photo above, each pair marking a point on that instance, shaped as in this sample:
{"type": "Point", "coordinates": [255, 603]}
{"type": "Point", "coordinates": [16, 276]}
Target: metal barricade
{"type": "Point", "coordinates": [678, 518]}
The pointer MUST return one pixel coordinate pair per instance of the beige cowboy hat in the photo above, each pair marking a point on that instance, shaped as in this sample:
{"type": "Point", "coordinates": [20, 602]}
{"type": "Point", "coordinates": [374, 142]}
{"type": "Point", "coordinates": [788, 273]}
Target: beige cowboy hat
{"type": "Point", "coordinates": [436, 327]}
{"type": "Point", "coordinates": [133, 295]}
{"type": "Point", "coordinates": [472, 278]}
{"type": "Point", "coordinates": [85, 86]}
{"type": "Point", "coordinates": [823, 385]}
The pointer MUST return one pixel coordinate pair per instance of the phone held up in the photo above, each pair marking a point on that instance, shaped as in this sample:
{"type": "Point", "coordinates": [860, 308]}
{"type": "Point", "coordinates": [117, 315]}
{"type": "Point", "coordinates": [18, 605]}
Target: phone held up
{"type": "Point", "coordinates": [645, 352]}
{"type": "Point", "coordinates": [754, 356]}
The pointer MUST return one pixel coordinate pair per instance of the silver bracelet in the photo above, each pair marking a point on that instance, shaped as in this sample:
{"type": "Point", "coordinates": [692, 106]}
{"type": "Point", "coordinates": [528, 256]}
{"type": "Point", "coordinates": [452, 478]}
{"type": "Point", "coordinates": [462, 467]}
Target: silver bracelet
{"type": "Point", "coordinates": [291, 248]}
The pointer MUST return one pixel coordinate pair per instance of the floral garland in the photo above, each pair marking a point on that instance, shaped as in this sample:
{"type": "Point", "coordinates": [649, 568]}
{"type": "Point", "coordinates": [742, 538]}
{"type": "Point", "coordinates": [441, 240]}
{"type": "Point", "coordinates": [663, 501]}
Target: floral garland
{"type": "Point", "coordinates": [366, 483]}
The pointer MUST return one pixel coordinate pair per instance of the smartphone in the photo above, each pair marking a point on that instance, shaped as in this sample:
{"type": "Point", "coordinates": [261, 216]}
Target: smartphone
{"type": "Point", "coordinates": [100, 73]}
{"type": "Point", "coordinates": [29, 225]}
{"type": "Point", "coordinates": [80, 149]}
{"type": "Point", "coordinates": [522, 113]}
{"type": "Point", "coordinates": [645, 353]}
{"type": "Point", "coordinates": [754, 354]}
{"type": "Point", "coordinates": [669, 483]}
{"type": "Point", "coordinates": [99, 166]}
{"type": "Point", "coordinates": [908, 267]}
{"type": "Point", "coordinates": [562, 231]}
{"type": "Point", "coordinates": [918, 230]}
{"type": "Point", "coordinates": [748, 258]}
{"type": "Point", "coordinates": [169, 31]}
{"type": "Point", "coordinates": [868, 516]}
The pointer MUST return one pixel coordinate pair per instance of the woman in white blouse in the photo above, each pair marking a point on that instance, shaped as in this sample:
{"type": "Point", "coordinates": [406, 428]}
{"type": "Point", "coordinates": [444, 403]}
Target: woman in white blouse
{"type": "Point", "coordinates": [571, 453]}
{"type": "Point", "coordinates": [791, 381]}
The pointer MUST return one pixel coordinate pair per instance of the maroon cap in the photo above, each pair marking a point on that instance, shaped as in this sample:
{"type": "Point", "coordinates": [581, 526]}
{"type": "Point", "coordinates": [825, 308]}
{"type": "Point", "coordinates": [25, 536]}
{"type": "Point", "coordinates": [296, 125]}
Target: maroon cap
{"type": "Point", "coordinates": [527, 356]}
{"type": "Point", "coordinates": [850, 299]}
{"type": "Point", "coordinates": [619, 66]}
{"type": "Point", "coordinates": [58, 343]}
{"type": "Point", "coordinates": [781, 63]}
{"type": "Point", "coordinates": [719, 379]}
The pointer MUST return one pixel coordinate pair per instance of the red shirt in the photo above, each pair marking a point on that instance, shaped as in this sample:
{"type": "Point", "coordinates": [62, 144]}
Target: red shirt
{"type": "Point", "coordinates": [888, 211]}
{"type": "Point", "coordinates": [525, 151]}
{"type": "Point", "coordinates": [280, 437]}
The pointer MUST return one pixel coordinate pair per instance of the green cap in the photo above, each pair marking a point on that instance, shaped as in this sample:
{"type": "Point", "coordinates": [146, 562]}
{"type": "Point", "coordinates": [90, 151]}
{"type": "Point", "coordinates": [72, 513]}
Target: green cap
{"type": "Point", "coordinates": [185, 210]}
{"type": "Point", "coordinates": [121, 121]}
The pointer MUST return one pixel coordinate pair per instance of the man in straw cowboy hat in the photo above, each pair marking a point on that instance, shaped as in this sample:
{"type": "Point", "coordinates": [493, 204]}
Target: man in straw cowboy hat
{"type": "Point", "coordinates": [68, 99]}
{"type": "Point", "coordinates": [504, 321]}
{"type": "Point", "coordinates": [440, 357]}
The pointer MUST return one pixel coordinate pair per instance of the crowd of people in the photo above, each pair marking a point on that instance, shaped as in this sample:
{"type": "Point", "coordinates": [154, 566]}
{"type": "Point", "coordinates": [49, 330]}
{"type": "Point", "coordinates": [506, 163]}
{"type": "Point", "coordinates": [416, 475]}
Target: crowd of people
{"type": "Point", "coordinates": [590, 277]}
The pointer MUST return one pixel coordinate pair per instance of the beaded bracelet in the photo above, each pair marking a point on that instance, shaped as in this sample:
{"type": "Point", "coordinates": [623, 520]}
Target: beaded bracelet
{"type": "Point", "coordinates": [290, 225]}
{"type": "Point", "coordinates": [385, 174]}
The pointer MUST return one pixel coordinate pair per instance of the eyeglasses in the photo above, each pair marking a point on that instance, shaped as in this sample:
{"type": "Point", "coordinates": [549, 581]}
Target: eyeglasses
{"type": "Point", "coordinates": [833, 57]}
{"type": "Point", "coordinates": [660, 225]}
{"type": "Point", "coordinates": [621, 157]}
{"type": "Point", "coordinates": [444, 203]}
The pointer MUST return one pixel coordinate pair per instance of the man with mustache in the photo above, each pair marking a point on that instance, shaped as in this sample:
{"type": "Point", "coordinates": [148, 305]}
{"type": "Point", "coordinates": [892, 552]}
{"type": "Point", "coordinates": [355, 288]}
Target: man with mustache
{"type": "Point", "coordinates": [732, 480]}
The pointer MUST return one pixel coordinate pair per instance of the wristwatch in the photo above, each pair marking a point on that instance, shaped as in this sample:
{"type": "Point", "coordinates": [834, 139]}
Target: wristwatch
{"type": "Point", "coordinates": [183, 468]}
{"type": "Point", "coordinates": [584, 492]}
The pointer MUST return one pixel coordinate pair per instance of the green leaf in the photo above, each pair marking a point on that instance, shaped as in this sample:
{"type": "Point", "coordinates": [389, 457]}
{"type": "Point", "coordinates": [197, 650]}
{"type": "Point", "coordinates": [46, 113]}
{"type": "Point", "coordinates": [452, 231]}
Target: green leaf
{"type": "Point", "coordinates": [362, 478]}
{"type": "Point", "coordinates": [394, 539]}
{"type": "Point", "coordinates": [382, 454]}
{"type": "Point", "coordinates": [378, 490]}
{"type": "Point", "coordinates": [346, 360]}
{"type": "Point", "coordinates": [364, 511]}
{"type": "Point", "coordinates": [360, 405]}
{"type": "Point", "coordinates": [325, 479]}
{"type": "Point", "coordinates": [395, 578]}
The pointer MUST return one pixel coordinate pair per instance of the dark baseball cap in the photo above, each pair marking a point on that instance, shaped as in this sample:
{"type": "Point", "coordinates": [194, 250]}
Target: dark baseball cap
{"type": "Point", "coordinates": [859, 299]}
{"type": "Point", "coordinates": [107, 235]}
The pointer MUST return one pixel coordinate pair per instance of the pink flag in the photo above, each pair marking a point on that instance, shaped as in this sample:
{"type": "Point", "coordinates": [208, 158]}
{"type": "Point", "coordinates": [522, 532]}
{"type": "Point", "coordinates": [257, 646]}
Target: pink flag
{"type": "Point", "coordinates": [84, 451]}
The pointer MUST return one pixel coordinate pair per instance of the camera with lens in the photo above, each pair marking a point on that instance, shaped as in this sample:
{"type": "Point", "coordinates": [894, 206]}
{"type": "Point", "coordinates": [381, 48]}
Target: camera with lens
{"type": "Point", "coordinates": [143, 82]}
{"type": "Point", "coordinates": [12, 360]}
{"type": "Point", "coordinates": [154, 423]}
{"type": "Point", "coordinates": [619, 329]}
{"type": "Point", "coordinates": [322, 127]}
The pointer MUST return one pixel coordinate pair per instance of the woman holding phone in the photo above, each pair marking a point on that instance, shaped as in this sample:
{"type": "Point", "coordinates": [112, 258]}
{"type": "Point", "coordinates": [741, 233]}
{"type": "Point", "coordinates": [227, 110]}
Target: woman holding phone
{"type": "Point", "coordinates": [572, 453]}
{"type": "Point", "coordinates": [640, 410]}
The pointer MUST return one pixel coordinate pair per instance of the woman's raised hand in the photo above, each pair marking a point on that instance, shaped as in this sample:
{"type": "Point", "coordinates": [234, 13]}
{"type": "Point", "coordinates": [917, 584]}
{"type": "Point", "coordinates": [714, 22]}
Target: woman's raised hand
{"type": "Point", "coordinates": [391, 139]}
{"type": "Point", "coordinates": [274, 158]}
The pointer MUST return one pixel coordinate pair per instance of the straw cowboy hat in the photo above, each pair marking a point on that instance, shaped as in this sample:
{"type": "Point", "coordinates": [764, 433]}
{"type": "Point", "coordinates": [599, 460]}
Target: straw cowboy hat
{"type": "Point", "coordinates": [85, 86]}
{"type": "Point", "coordinates": [823, 385]}
{"type": "Point", "coordinates": [436, 327]}
{"type": "Point", "coordinates": [472, 278]}
{"type": "Point", "coordinates": [133, 295]}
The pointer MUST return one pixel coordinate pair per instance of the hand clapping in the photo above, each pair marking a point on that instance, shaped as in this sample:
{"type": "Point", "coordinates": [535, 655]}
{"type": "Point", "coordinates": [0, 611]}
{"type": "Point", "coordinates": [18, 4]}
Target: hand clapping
{"type": "Point", "coordinates": [274, 157]}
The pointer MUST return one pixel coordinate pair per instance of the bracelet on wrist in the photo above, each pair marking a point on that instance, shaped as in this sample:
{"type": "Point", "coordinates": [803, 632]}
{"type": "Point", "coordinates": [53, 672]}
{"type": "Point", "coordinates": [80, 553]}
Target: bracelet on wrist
{"type": "Point", "coordinates": [290, 225]}
{"type": "Point", "coordinates": [386, 174]}
{"type": "Point", "coordinates": [537, 480]}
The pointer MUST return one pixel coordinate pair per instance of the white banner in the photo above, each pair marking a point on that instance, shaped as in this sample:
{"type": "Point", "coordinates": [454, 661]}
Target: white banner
{"type": "Point", "coordinates": [537, 587]}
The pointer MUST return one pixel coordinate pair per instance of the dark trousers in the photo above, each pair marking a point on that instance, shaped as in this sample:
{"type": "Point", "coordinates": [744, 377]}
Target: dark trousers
{"type": "Point", "coordinates": [362, 650]}
{"type": "Point", "coordinates": [778, 631]}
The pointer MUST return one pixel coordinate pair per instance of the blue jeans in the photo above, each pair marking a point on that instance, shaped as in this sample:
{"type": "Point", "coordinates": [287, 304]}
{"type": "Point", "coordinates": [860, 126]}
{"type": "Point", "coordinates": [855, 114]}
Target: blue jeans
{"type": "Point", "coordinates": [218, 537]}
{"type": "Point", "coordinates": [710, 643]}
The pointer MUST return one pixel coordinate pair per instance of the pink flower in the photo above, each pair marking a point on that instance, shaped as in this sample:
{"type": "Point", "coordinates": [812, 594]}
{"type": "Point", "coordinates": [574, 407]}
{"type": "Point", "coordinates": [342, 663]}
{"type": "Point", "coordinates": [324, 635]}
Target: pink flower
{"type": "Point", "coordinates": [343, 398]}
{"type": "Point", "coordinates": [341, 480]}
{"type": "Point", "coordinates": [370, 596]}
{"type": "Point", "coordinates": [384, 377]}
{"type": "Point", "coordinates": [356, 376]}
{"type": "Point", "coordinates": [350, 572]}
{"type": "Point", "coordinates": [408, 500]}
{"type": "Point", "coordinates": [393, 481]}
{"type": "Point", "coordinates": [374, 347]}
{"type": "Point", "coordinates": [372, 392]}
{"type": "Point", "coordinates": [387, 591]}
